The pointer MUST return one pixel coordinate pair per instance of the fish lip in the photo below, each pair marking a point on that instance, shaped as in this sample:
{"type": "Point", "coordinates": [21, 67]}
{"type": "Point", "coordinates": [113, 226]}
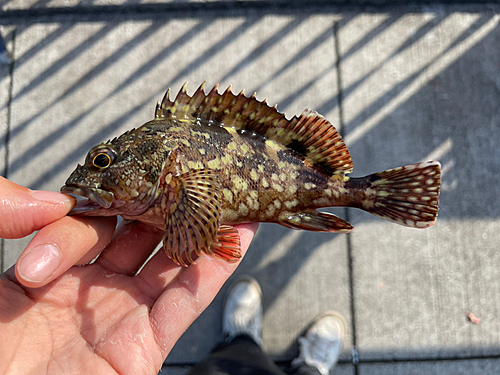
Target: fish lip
{"type": "Point", "coordinates": [96, 199]}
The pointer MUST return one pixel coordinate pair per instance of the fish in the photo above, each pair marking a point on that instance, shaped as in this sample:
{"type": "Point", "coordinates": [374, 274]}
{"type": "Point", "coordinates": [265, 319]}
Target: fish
{"type": "Point", "coordinates": [209, 161]}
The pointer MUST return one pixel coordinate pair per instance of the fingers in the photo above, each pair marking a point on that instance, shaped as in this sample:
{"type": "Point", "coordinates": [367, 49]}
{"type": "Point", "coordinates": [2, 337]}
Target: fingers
{"type": "Point", "coordinates": [60, 245]}
{"type": "Point", "coordinates": [131, 246]}
{"type": "Point", "coordinates": [188, 295]}
{"type": "Point", "coordinates": [161, 270]}
{"type": "Point", "coordinates": [23, 211]}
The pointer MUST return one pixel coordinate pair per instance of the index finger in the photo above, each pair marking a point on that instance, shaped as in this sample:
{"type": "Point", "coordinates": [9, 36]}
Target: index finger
{"type": "Point", "coordinates": [23, 211]}
{"type": "Point", "coordinates": [60, 245]}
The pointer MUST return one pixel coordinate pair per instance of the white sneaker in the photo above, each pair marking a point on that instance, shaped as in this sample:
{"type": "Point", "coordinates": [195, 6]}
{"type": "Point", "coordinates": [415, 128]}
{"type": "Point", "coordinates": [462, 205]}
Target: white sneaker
{"type": "Point", "coordinates": [243, 310]}
{"type": "Point", "coordinates": [322, 343]}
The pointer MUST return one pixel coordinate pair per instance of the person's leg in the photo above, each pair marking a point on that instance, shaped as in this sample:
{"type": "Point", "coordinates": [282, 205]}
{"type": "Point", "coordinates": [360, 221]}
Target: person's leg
{"type": "Point", "coordinates": [302, 369]}
{"type": "Point", "coordinates": [240, 353]}
{"type": "Point", "coordinates": [320, 347]}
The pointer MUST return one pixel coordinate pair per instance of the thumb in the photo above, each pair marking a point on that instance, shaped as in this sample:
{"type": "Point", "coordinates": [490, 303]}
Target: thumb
{"type": "Point", "coordinates": [23, 211]}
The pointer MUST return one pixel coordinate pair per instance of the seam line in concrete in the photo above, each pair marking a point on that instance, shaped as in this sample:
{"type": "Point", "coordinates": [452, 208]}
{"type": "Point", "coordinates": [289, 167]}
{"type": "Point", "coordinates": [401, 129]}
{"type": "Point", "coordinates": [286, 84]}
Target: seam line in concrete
{"type": "Point", "coordinates": [348, 238]}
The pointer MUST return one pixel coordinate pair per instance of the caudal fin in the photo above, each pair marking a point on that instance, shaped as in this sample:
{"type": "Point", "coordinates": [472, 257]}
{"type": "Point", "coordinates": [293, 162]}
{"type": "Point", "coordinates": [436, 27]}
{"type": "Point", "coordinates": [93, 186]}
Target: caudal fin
{"type": "Point", "coordinates": [406, 195]}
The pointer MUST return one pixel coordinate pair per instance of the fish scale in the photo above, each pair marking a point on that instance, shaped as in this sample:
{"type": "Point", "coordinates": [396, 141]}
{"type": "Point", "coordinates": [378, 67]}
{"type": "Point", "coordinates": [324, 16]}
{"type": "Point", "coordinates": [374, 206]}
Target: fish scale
{"type": "Point", "coordinates": [210, 161]}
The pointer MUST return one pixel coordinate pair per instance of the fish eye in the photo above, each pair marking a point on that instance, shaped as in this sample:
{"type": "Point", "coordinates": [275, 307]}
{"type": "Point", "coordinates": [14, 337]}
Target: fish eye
{"type": "Point", "coordinates": [101, 158]}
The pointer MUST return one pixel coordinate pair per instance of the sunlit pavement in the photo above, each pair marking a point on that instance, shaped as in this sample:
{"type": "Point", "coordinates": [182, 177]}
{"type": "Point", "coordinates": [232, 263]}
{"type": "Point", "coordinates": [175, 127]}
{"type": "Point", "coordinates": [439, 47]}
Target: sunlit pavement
{"type": "Point", "coordinates": [402, 84]}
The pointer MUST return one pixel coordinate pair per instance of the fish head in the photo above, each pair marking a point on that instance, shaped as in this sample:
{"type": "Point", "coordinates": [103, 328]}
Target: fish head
{"type": "Point", "coordinates": [118, 177]}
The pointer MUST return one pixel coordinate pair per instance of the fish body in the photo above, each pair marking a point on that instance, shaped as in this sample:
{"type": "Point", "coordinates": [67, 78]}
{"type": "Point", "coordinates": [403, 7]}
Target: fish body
{"type": "Point", "coordinates": [209, 161]}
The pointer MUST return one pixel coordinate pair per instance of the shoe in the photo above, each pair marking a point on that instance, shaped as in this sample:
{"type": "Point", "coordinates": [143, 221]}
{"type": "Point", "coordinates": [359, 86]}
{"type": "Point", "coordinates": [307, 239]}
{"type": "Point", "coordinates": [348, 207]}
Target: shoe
{"type": "Point", "coordinates": [243, 310]}
{"type": "Point", "coordinates": [322, 343]}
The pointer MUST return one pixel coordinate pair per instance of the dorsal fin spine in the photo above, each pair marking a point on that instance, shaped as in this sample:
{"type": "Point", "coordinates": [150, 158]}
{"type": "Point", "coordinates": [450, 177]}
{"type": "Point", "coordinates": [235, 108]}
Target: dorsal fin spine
{"type": "Point", "coordinates": [184, 88]}
{"type": "Point", "coordinates": [310, 134]}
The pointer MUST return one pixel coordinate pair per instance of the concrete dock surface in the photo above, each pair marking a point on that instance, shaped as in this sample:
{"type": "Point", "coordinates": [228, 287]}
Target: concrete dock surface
{"type": "Point", "coordinates": [402, 84]}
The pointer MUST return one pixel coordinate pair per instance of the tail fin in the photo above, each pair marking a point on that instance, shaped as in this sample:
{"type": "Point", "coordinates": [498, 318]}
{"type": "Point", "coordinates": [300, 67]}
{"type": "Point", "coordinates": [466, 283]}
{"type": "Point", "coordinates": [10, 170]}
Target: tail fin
{"type": "Point", "coordinates": [406, 195]}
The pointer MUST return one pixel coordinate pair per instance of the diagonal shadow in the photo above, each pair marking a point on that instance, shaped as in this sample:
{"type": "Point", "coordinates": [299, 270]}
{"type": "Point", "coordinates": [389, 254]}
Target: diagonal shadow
{"type": "Point", "coordinates": [298, 57]}
{"type": "Point", "coordinates": [288, 100]}
{"type": "Point", "coordinates": [43, 44]}
{"type": "Point", "coordinates": [263, 47]}
{"type": "Point", "coordinates": [59, 32]}
{"type": "Point", "coordinates": [397, 89]}
{"type": "Point", "coordinates": [420, 33]}
{"type": "Point", "coordinates": [281, 271]}
{"type": "Point", "coordinates": [65, 60]}
{"type": "Point", "coordinates": [330, 105]}
{"type": "Point", "coordinates": [250, 21]}
{"type": "Point", "coordinates": [91, 74]}
{"type": "Point", "coordinates": [372, 35]}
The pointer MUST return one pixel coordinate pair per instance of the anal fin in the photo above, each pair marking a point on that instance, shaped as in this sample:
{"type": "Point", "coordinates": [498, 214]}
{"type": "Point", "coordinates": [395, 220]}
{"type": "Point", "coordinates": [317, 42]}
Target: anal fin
{"type": "Point", "coordinates": [315, 221]}
{"type": "Point", "coordinates": [227, 246]}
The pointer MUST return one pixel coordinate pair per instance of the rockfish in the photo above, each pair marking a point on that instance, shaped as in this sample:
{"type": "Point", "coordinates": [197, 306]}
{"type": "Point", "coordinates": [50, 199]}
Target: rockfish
{"type": "Point", "coordinates": [209, 161]}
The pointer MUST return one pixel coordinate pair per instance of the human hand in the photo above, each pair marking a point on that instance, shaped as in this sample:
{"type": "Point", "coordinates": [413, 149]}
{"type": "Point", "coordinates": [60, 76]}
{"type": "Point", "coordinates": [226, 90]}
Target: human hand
{"type": "Point", "coordinates": [60, 315]}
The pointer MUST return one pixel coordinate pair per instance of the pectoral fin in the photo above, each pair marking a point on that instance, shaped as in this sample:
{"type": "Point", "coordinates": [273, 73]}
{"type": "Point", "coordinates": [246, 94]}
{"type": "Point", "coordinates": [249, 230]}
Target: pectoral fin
{"type": "Point", "coordinates": [192, 220]}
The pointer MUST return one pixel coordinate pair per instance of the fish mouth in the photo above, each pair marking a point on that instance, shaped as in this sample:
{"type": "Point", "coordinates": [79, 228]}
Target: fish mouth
{"type": "Point", "coordinates": [97, 198]}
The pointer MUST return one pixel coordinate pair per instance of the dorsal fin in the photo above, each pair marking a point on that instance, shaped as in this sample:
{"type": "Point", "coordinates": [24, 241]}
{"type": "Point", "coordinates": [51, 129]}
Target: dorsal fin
{"type": "Point", "coordinates": [310, 134]}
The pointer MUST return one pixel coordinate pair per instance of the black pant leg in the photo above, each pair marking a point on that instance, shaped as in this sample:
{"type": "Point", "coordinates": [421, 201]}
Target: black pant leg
{"type": "Point", "coordinates": [241, 356]}
{"type": "Point", "coordinates": [302, 369]}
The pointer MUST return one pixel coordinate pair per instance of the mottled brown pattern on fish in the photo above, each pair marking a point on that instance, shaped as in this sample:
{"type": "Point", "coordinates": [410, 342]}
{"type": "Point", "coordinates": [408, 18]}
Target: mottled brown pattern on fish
{"type": "Point", "coordinates": [210, 161]}
{"type": "Point", "coordinates": [257, 184]}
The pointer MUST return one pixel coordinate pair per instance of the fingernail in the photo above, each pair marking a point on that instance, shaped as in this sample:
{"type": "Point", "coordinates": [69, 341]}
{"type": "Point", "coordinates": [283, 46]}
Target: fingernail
{"type": "Point", "coordinates": [52, 197]}
{"type": "Point", "coordinates": [39, 263]}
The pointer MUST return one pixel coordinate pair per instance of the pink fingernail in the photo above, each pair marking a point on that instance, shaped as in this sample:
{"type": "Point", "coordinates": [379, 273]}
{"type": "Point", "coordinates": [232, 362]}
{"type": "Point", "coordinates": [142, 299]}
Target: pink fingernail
{"type": "Point", "coordinates": [51, 197]}
{"type": "Point", "coordinates": [39, 263]}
